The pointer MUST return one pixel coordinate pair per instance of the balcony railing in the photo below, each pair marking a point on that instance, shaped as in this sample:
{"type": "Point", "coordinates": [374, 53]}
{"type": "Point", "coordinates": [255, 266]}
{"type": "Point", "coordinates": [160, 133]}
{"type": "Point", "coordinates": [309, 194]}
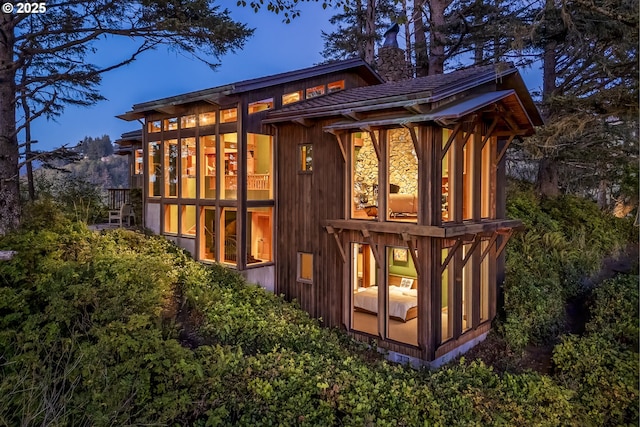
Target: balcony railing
{"type": "Point", "coordinates": [118, 197]}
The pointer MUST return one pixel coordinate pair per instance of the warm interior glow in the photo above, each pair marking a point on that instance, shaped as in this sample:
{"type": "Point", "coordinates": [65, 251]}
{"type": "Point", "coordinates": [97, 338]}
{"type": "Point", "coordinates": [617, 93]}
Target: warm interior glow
{"type": "Point", "coordinates": [305, 267]}
{"type": "Point", "coordinates": [256, 107]}
{"type": "Point", "coordinates": [315, 91]}
{"type": "Point", "coordinates": [291, 97]}
{"type": "Point", "coordinates": [207, 119]}
{"type": "Point", "coordinates": [171, 124]}
{"type": "Point", "coordinates": [155, 126]}
{"type": "Point", "coordinates": [335, 86]}
{"type": "Point", "coordinates": [188, 121]}
{"type": "Point", "coordinates": [229, 115]}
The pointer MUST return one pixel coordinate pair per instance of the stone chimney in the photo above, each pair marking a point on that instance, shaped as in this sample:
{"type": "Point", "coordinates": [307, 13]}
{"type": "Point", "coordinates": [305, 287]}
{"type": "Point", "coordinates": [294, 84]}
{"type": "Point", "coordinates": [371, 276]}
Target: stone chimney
{"type": "Point", "coordinates": [391, 63]}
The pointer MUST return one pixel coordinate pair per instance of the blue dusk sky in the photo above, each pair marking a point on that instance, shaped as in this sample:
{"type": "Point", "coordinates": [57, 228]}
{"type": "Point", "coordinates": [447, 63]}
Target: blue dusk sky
{"type": "Point", "coordinates": [274, 48]}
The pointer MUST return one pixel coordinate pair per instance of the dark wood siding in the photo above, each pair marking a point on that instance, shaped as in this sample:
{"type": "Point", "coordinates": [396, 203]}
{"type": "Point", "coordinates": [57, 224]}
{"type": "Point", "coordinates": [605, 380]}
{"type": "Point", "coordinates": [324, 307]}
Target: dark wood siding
{"type": "Point", "coordinates": [304, 199]}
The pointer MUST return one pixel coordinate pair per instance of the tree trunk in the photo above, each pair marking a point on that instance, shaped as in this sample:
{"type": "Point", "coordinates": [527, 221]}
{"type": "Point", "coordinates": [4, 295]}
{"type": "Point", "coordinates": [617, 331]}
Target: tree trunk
{"type": "Point", "coordinates": [437, 39]}
{"type": "Point", "coordinates": [420, 37]}
{"type": "Point", "coordinates": [9, 173]}
{"type": "Point", "coordinates": [547, 181]}
{"type": "Point", "coordinates": [370, 33]}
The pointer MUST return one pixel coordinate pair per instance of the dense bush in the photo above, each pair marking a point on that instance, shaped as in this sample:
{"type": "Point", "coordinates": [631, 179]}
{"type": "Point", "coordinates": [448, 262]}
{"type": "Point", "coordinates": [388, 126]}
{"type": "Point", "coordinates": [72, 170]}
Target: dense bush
{"type": "Point", "coordinates": [602, 365]}
{"type": "Point", "coordinates": [564, 241]}
{"type": "Point", "coordinates": [124, 329]}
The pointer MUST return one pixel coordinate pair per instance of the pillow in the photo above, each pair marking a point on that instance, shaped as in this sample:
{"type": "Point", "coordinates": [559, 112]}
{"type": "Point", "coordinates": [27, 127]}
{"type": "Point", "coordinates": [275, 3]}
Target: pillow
{"type": "Point", "coordinates": [406, 283]}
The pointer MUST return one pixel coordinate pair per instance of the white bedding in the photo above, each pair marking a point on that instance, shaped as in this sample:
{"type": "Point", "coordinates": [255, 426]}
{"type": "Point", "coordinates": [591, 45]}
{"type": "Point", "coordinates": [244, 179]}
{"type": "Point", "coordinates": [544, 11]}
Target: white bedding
{"type": "Point", "coordinates": [400, 300]}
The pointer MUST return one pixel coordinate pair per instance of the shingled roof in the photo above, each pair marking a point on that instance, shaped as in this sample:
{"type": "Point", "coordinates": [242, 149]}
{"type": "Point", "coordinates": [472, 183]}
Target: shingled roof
{"type": "Point", "coordinates": [404, 93]}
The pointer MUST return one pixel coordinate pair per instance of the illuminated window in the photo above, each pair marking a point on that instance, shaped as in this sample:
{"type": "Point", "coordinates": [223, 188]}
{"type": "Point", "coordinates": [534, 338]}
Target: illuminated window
{"type": "Point", "coordinates": [259, 166]}
{"type": "Point", "coordinates": [446, 307]}
{"type": "Point", "coordinates": [228, 237]}
{"type": "Point", "coordinates": [171, 219]}
{"type": "Point", "coordinates": [335, 86]}
{"type": "Point", "coordinates": [402, 296]}
{"type": "Point", "coordinates": [171, 124]}
{"type": "Point", "coordinates": [208, 167]}
{"type": "Point", "coordinates": [207, 119]}
{"type": "Point", "coordinates": [229, 165]}
{"type": "Point", "coordinates": [305, 267]}
{"type": "Point", "coordinates": [155, 126]}
{"type": "Point", "coordinates": [171, 168]}
{"type": "Point", "coordinates": [315, 91]}
{"type": "Point", "coordinates": [188, 221]}
{"type": "Point", "coordinates": [364, 289]}
{"type": "Point", "coordinates": [306, 157]}
{"type": "Point", "coordinates": [188, 121]}
{"type": "Point", "coordinates": [364, 164]}
{"type": "Point", "coordinates": [188, 164]}
{"type": "Point", "coordinates": [155, 169]}
{"type": "Point", "coordinates": [138, 167]}
{"type": "Point", "coordinates": [403, 198]}
{"type": "Point", "coordinates": [264, 105]}
{"type": "Point", "coordinates": [259, 235]}
{"type": "Point", "coordinates": [292, 97]}
{"type": "Point", "coordinates": [208, 234]}
{"type": "Point", "coordinates": [447, 178]}
{"type": "Point", "coordinates": [229, 115]}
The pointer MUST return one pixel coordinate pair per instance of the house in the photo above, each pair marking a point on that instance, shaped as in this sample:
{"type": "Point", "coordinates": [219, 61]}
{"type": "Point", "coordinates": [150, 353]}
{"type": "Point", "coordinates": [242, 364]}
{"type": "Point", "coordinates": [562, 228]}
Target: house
{"type": "Point", "coordinates": [379, 207]}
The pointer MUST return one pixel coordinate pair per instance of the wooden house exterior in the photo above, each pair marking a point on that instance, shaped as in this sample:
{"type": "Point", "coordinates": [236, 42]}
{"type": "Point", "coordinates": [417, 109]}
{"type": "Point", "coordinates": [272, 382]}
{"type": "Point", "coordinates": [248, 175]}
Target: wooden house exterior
{"type": "Point", "coordinates": [383, 207]}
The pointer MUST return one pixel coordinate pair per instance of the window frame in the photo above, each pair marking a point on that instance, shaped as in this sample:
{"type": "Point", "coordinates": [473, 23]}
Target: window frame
{"type": "Point", "coordinates": [299, 277]}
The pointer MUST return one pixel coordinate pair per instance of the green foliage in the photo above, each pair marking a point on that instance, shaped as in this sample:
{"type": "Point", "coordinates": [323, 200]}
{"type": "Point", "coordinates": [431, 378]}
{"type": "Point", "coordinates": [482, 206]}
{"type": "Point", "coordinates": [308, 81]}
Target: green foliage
{"type": "Point", "coordinates": [564, 242]}
{"type": "Point", "coordinates": [602, 366]}
{"type": "Point", "coordinates": [119, 328]}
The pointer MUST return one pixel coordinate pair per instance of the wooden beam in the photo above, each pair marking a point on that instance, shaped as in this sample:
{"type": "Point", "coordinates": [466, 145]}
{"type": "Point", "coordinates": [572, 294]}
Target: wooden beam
{"type": "Point", "coordinates": [406, 237]}
{"type": "Point", "coordinates": [473, 121]}
{"type": "Point", "coordinates": [303, 122]}
{"type": "Point", "coordinates": [352, 115]}
{"type": "Point", "coordinates": [331, 230]}
{"type": "Point", "coordinates": [489, 132]}
{"type": "Point", "coordinates": [374, 141]}
{"type": "Point", "coordinates": [415, 108]}
{"type": "Point", "coordinates": [493, 239]}
{"type": "Point", "coordinates": [504, 243]}
{"type": "Point", "coordinates": [450, 140]}
{"type": "Point", "coordinates": [475, 244]}
{"type": "Point", "coordinates": [452, 252]}
{"type": "Point", "coordinates": [504, 150]}
{"type": "Point", "coordinates": [374, 247]}
{"type": "Point", "coordinates": [414, 138]}
{"type": "Point", "coordinates": [338, 135]}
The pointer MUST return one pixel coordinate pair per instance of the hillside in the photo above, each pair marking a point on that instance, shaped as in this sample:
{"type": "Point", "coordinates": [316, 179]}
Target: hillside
{"type": "Point", "coordinates": [121, 328]}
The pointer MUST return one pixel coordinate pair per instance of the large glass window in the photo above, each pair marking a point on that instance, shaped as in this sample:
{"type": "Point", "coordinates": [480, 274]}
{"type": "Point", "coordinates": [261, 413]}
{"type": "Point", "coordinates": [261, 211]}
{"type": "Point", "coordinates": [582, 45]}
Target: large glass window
{"type": "Point", "coordinates": [171, 168]}
{"type": "Point", "coordinates": [484, 282]}
{"type": "Point", "coordinates": [259, 235]}
{"type": "Point", "coordinates": [187, 122]}
{"type": "Point", "coordinates": [229, 115]}
{"type": "Point", "coordinates": [154, 126]}
{"type": "Point", "coordinates": [335, 86]}
{"type": "Point", "coordinates": [446, 302]}
{"type": "Point", "coordinates": [486, 178]}
{"type": "Point", "coordinates": [171, 219]}
{"type": "Point", "coordinates": [447, 177]}
{"type": "Point", "coordinates": [364, 169]}
{"type": "Point", "coordinates": [228, 237]}
{"type": "Point", "coordinates": [467, 290]}
{"type": "Point", "coordinates": [364, 287]}
{"type": "Point", "coordinates": [155, 169]}
{"type": "Point", "coordinates": [188, 160]}
{"type": "Point", "coordinates": [208, 167]}
{"type": "Point", "coordinates": [402, 302]}
{"type": "Point", "coordinates": [467, 179]}
{"type": "Point", "coordinates": [208, 234]}
{"type": "Point", "coordinates": [188, 220]}
{"type": "Point", "coordinates": [312, 92]}
{"type": "Point", "coordinates": [259, 167]}
{"type": "Point", "coordinates": [206, 119]}
{"type": "Point", "coordinates": [402, 203]}
{"type": "Point", "coordinates": [170, 124]}
{"type": "Point", "coordinates": [229, 159]}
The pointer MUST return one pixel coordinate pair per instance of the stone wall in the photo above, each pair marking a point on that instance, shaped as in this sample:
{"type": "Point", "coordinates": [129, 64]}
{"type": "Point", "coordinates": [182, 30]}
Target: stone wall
{"type": "Point", "coordinates": [392, 65]}
{"type": "Point", "coordinates": [403, 165]}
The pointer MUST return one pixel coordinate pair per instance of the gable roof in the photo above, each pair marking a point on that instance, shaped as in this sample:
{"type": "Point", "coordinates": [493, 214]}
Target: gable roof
{"type": "Point", "coordinates": [409, 93]}
{"type": "Point", "coordinates": [215, 94]}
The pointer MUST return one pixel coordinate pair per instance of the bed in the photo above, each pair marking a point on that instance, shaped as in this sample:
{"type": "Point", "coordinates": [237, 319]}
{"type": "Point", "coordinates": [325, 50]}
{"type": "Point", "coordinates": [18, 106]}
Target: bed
{"type": "Point", "coordinates": [403, 302]}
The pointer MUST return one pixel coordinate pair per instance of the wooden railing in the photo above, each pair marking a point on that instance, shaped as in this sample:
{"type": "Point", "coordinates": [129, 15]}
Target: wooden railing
{"type": "Point", "coordinates": [254, 182]}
